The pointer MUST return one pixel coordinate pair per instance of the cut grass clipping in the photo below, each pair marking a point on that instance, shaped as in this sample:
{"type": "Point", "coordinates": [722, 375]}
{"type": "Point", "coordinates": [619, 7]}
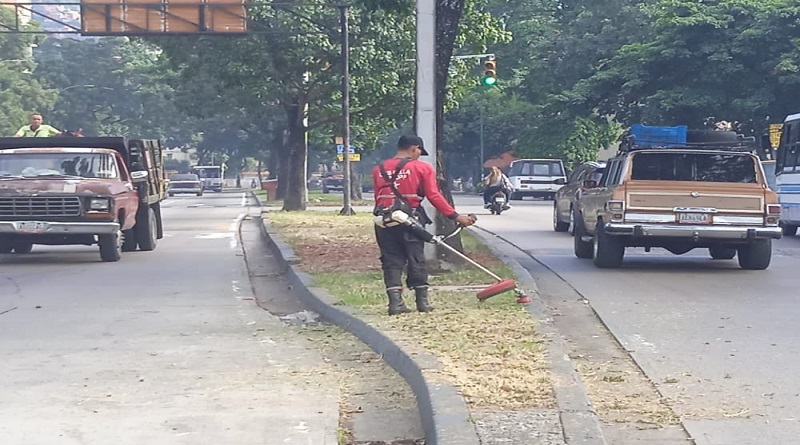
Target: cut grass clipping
{"type": "Point", "coordinates": [490, 350]}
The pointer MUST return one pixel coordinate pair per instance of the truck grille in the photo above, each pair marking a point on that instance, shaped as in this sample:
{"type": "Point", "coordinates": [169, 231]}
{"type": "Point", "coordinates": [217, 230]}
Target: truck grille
{"type": "Point", "coordinates": [35, 206]}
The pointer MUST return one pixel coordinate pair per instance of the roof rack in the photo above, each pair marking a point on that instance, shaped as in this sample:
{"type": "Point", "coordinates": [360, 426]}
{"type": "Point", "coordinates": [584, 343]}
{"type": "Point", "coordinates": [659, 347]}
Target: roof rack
{"type": "Point", "coordinates": [641, 137]}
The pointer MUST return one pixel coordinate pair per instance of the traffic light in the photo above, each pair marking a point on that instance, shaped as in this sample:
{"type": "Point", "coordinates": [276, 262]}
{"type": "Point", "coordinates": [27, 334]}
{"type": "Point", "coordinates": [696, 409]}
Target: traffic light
{"type": "Point", "coordinates": [490, 72]}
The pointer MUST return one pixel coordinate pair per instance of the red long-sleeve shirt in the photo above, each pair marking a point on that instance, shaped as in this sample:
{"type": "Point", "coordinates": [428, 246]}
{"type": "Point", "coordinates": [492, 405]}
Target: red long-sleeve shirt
{"type": "Point", "coordinates": [415, 182]}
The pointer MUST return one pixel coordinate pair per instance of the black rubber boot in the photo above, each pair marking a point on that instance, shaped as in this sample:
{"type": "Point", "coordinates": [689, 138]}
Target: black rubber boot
{"type": "Point", "coordinates": [396, 305]}
{"type": "Point", "coordinates": [423, 305]}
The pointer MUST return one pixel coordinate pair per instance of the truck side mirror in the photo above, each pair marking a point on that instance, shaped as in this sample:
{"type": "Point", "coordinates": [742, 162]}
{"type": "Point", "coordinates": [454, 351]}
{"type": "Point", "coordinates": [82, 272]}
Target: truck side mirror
{"type": "Point", "coordinates": [560, 181]}
{"type": "Point", "coordinates": [589, 184]}
{"type": "Point", "coordinates": [139, 175]}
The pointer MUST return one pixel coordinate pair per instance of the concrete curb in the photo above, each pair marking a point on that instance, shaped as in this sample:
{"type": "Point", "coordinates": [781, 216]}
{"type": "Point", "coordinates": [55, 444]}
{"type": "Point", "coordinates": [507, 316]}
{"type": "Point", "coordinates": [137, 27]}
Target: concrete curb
{"type": "Point", "coordinates": [443, 412]}
{"type": "Point", "coordinates": [578, 419]}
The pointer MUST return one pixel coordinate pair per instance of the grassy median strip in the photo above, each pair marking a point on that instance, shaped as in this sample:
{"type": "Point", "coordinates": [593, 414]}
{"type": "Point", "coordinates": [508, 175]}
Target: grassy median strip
{"type": "Point", "coordinates": [314, 199]}
{"type": "Point", "coordinates": [490, 350]}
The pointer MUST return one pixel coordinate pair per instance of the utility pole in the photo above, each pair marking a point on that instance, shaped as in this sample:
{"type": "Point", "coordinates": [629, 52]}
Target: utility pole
{"type": "Point", "coordinates": [347, 209]}
{"type": "Point", "coordinates": [426, 94]}
{"type": "Point", "coordinates": [480, 164]}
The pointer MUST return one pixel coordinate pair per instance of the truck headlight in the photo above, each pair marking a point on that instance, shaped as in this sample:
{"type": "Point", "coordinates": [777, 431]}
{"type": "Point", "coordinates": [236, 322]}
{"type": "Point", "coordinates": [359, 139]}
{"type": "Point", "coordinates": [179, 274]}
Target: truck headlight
{"type": "Point", "coordinates": [100, 204]}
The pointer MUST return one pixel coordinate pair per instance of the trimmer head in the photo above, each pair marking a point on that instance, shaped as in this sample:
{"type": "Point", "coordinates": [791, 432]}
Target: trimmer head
{"type": "Point", "coordinates": [496, 289]}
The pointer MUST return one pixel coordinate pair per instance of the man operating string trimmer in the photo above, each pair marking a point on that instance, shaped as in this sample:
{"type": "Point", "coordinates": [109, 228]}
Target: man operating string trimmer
{"type": "Point", "coordinates": [401, 183]}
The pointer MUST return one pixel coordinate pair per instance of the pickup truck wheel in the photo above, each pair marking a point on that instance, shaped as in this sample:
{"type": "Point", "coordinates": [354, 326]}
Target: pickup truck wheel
{"type": "Point", "coordinates": [146, 226]}
{"type": "Point", "coordinates": [608, 250]}
{"type": "Point", "coordinates": [583, 249]}
{"type": "Point", "coordinates": [558, 226]}
{"type": "Point", "coordinates": [788, 229]}
{"type": "Point", "coordinates": [23, 248]}
{"type": "Point", "coordinates": [5, 248]}
{"type": "Point", "coordinates": [722, 253]}
{"type": "Point", "coordinates": [128, 240]}
{"type": "Point", "coordinates": [756, 255]}
{"type": "Point", "coordinates": [110, 246]}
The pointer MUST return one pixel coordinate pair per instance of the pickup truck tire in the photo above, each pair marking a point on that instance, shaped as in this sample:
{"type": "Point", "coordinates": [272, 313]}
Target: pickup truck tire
{"type": "Point", "coordinates": [23, 248]}
{"type": "Point", "coordinates": [110, 246]}
{"type": "Point", "coordinates": [608, 249]}
{"type": "Point", "coordinates": [5, 248]}
{"type": "Point", "coordinates": [788, 229]}
{"type": "Point", "coordinates": [558, 225]}
{"type": "Point", "coordinates": [583, 249]}
{"type": "Point", "coordinates": [755, 255]}
{"type": "Point", "coordinates": [146, 229]}
{"type": "Point", "coordinates": [722, 253]}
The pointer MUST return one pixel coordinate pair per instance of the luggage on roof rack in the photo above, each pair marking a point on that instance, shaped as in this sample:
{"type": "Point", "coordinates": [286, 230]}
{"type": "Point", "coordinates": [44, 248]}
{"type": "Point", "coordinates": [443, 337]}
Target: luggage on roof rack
{"type": "Point", "coordinates": [643, 137]}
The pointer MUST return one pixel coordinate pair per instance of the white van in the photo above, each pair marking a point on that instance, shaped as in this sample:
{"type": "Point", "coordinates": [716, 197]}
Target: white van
{"type": "Point", "coordinates": [536, 177]}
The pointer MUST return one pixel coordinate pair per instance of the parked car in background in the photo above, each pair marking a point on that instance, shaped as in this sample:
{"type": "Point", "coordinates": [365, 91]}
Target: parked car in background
{"type": "Point", "coordinates": [585, 176]}
{"type": "Point", "coordinates": [333, 182]}
{"type": "Point", "coordinates": [536, 177]}
{"type": "Point", "coordinates": [185, 183]}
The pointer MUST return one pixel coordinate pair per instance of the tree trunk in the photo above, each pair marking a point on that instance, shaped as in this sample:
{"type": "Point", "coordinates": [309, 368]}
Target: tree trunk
{"type": "Point", "coordinates": [295, 198]}
{"type": "Point", "coordinates": [448, 15]}
{"type": "Point", "coordinates": [355, 183]}
{"type": "Point", "coordinates": [282, 171]}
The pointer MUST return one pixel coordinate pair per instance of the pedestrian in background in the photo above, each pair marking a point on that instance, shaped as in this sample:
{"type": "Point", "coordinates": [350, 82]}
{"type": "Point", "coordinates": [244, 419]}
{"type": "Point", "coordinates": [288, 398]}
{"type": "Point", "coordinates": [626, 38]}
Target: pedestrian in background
{"type": "Point", "coordinates": [36, 129]}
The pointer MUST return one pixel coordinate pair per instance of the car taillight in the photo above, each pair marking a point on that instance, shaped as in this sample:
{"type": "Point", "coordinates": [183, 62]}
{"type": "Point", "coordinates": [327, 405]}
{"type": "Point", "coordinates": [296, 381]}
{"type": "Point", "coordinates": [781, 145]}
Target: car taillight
{"type": "Point", "coordinates": [617, 209]}
{"type": "Point", "coordinates": [773, 214]}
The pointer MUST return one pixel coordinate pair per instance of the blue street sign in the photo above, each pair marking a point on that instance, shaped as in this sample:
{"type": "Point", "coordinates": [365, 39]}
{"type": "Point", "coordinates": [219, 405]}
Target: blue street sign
{"type": "Point", "coordinates": [340, 149]}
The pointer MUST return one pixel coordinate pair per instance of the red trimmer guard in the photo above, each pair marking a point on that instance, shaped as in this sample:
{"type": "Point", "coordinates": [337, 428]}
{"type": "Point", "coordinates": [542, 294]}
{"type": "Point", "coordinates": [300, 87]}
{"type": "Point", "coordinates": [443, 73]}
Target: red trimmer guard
{"type": "Point", "coordinates": [496, 289]}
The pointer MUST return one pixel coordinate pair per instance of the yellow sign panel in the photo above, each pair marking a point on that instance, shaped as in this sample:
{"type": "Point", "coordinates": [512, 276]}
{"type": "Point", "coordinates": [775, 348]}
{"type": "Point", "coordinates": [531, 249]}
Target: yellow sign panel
{"type": "Point", "coordinates": [775, 135]}
{"type": "Point", "coordinates": [354, 157]}
{"type": "Point", "coordinates": [148, 17]}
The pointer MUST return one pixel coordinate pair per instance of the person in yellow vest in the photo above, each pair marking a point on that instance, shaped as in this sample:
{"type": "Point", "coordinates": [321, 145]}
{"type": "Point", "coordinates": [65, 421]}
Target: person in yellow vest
{"type": "Point", "coordinates": [36, 129]}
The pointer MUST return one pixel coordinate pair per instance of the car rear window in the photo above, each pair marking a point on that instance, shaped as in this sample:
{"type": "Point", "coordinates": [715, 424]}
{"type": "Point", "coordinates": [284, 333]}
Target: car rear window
{"type": "Point", "coordinates": [536, 168]}
{"type": "Point", "coordinates": [707, 167]}
{"type": "Point", "coordinates": [183, 178]}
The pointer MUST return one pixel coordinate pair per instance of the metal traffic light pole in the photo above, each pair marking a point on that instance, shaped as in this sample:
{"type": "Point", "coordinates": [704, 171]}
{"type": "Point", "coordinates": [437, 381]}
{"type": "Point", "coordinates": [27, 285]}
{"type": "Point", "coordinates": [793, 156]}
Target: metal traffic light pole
{"type": "Point", "coordinates": [347, 208]}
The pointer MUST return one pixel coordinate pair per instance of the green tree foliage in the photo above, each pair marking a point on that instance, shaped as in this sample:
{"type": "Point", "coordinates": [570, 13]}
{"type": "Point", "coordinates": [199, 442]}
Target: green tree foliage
{"type": "Point", "coordinates": [733, 60]}
{"type": "Point", "coordinates": [20, 93]}
{"type": "Point", "coordinates": [112, 86]}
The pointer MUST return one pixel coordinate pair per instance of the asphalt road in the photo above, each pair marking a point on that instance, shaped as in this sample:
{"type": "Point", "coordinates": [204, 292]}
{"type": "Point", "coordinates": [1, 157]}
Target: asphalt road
{"type": "Point", "coordinates": [162, 348]}
{"type": "Point", "coordinates": [719, 342]}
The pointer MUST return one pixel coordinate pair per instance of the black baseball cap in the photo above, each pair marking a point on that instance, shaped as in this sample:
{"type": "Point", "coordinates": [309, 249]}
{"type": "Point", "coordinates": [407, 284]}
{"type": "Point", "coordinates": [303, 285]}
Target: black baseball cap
{"type": "Point", "coordinates": [409, 140]}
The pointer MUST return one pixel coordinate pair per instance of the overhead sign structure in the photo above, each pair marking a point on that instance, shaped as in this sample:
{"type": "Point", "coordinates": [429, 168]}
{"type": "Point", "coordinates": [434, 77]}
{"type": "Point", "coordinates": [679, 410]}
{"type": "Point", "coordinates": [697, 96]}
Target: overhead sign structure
{"type": "Point", "coordinates": [121, 17]}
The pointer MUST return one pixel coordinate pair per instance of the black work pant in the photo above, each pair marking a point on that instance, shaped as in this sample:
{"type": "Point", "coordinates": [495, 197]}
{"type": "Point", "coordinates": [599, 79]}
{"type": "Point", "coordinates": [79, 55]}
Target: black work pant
{"type": "Point", "coordinates": [400, 249]}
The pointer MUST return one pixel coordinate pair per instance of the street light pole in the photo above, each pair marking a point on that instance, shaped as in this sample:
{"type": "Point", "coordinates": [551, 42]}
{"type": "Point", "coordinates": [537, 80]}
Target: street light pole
{"type": "Point", "coordinates": [347, 209]}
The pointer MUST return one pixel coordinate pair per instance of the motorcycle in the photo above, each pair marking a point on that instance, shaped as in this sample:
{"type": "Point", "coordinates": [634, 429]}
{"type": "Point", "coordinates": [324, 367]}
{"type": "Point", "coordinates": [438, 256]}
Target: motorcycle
{"type": "Point", "coordinates": [498, 203]}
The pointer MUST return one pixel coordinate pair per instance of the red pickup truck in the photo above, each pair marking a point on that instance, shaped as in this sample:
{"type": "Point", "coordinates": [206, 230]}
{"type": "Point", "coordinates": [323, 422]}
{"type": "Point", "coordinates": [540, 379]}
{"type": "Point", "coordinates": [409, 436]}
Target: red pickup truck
{"type": "Point", "coordinates": [63, 190]}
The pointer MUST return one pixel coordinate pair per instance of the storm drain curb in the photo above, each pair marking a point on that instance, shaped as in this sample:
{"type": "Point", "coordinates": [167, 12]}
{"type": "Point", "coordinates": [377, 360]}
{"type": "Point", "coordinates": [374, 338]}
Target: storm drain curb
{"type": "Point", "coordinates": [443, 412]}
{"type": "Point", "coordinates": [578, 419]}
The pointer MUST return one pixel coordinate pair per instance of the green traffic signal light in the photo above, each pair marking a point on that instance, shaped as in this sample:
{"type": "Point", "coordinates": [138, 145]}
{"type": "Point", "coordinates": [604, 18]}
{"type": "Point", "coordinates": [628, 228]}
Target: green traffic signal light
{"type": "Point", "coordinates": [490, 72]}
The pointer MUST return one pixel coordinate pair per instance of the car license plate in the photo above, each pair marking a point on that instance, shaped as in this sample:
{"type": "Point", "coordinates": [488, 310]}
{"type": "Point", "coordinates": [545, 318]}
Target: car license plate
{"type": "Point", "coordinates": [32, 226]}
{"type": "Point", "coordinates": [694, 218]}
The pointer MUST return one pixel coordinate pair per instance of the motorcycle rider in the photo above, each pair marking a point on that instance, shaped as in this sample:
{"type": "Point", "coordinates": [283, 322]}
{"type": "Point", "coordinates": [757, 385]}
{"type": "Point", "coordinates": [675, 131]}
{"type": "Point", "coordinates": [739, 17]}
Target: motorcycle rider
{"type": "Point", "coordinates": [494, 182]}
